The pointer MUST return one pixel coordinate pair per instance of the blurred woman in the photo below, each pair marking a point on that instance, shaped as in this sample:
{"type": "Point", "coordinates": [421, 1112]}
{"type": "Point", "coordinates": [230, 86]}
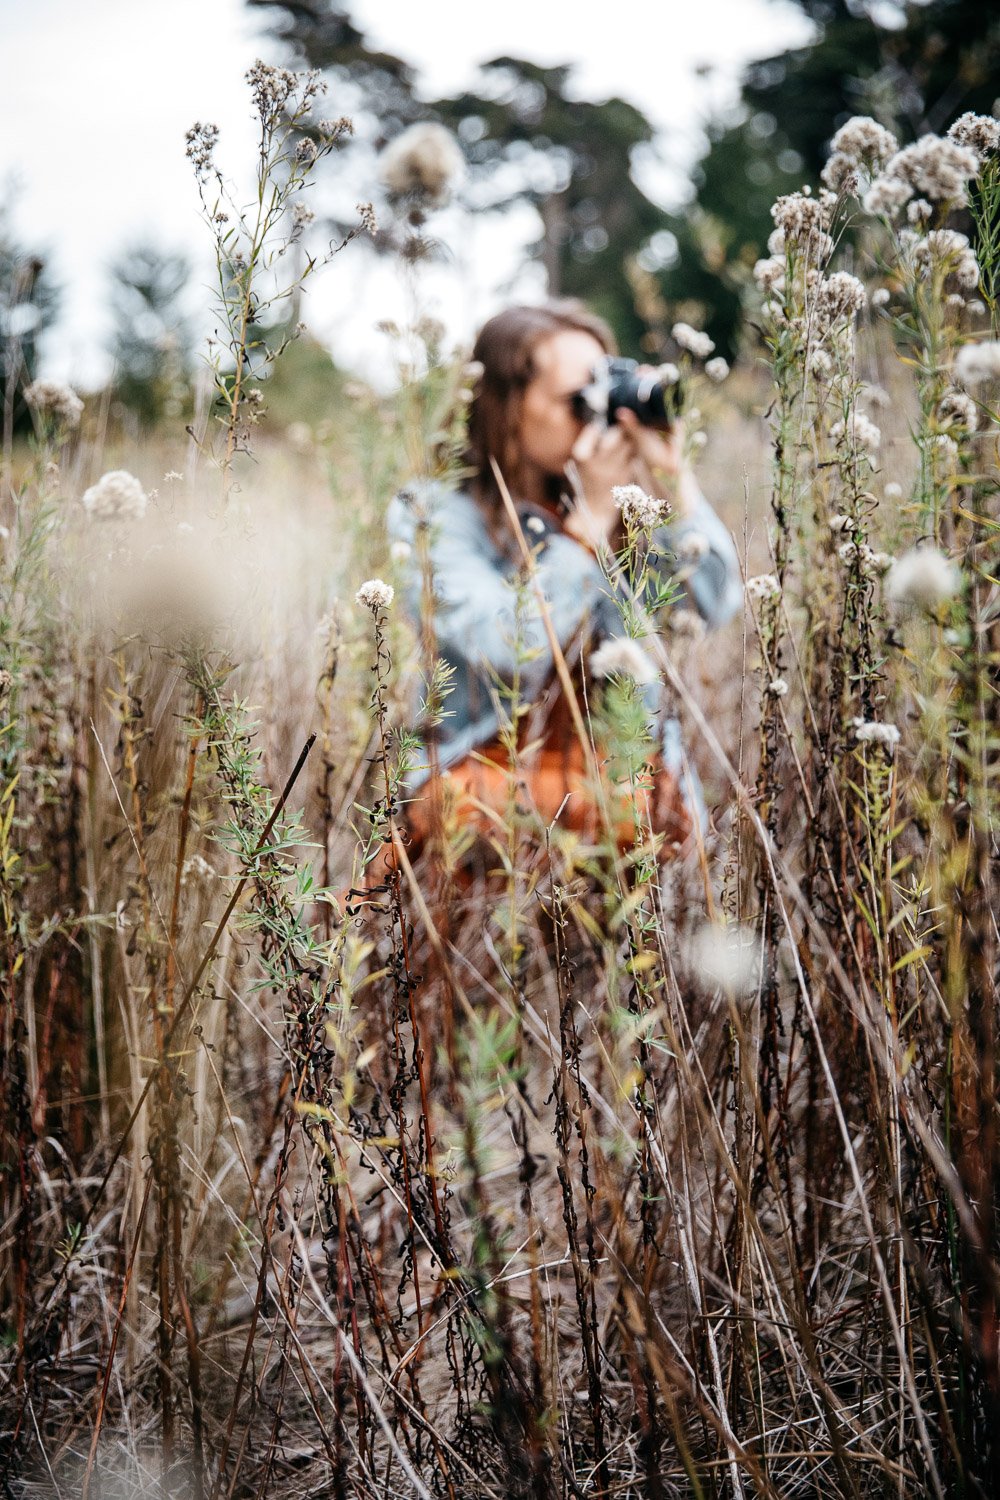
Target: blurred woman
{"type": "Point", "coordinates": [562, 472]}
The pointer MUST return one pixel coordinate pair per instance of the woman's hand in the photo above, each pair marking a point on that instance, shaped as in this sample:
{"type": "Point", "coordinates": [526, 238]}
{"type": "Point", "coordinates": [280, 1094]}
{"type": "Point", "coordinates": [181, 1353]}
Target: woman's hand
{"type": "Point", "coordinates": [603, 457]}
{"type": "Point", "coordinates": [660, 452]}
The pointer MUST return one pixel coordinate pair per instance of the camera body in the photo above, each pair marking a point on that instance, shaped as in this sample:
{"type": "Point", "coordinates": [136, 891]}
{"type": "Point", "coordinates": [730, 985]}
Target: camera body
{"type": "Point", "coordinates": [616, 383]}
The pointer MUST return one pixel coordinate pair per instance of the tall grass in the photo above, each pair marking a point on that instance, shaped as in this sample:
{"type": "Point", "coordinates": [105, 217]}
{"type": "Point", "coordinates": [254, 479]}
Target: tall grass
{"type": "Point", "coordinates": [532, 1167]}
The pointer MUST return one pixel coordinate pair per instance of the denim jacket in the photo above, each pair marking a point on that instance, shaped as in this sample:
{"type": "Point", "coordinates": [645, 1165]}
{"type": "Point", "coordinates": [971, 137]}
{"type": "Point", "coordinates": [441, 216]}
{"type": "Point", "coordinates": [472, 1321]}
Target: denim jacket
{"type": "Point", "coordinates": [474, 621]}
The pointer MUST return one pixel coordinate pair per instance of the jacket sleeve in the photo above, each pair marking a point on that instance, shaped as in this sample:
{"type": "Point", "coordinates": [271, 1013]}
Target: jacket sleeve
{"type": "Point", "coordinates": [474, 591]}
{"type": "Point", "coordinates": [706, 562]}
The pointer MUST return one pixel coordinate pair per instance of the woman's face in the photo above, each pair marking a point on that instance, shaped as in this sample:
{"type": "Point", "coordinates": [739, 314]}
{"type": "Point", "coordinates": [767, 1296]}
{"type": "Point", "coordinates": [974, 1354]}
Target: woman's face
{"type": "Point", "coordinates": [563, 363]}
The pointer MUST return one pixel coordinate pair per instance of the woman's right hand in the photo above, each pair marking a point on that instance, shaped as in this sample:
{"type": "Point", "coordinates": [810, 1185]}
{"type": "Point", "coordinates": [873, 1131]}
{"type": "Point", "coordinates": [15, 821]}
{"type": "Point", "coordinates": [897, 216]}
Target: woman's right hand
{"type": "Point", "coordinates": [603, 457]}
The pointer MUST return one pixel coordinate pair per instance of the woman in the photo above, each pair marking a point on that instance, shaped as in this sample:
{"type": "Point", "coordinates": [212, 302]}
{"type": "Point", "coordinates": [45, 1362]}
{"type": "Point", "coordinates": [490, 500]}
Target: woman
{"type": "Point", "coordinates": [560, 471]}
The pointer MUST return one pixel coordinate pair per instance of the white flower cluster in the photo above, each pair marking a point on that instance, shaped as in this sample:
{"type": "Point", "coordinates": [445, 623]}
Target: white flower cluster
{"type": "Point", "coordinates": [838, 296]}
{"type": "Point", "coordinates": [424, 162]}
{"type": "Point", "coordinates": [805, 221]}
{"type": "Point", "coordinates": [693, 340]}
{"type": "Point", "coordinates": [980, 133]}
{"type": "Point", "coordinates": [620, 656]}
{"type": "Point", "coordinates": [117, 496]}
{"type": "Point", "coordinates": [777, 687]}
{"type": "Point", "coordinates": [55, 401]}
{"type": "Point", "coordinates": [366, 214]}
{"type": "Point", "coordinates": [687, 623]}
{"type": "Point", "coordinates": [923, 577]}
{"type": "Point", "coordinates": [200, 145]}
{"type": "Point", "coordinates": [764, 586]}
{"type": "Point", "coordinates": [861, 430]}
{"type": "Point", "coordinates": [302, 216]}
{"type": "Point", "coordinates": [375, 594]}
{"type": "Point", "coordinates": [948, 249]}
{"type": "Point", "coordinates": [272, 88]}
{"type": "Point", "coordinates": [861, 142]}
{"type": "Point", "coordinates": [934, 166]}
{"type": "Point", "coordinates": [769, 273]}
{"type": "Point", "coordinates": [860, 552]}
{"type": "Point", "coordinates": [335, 130]}
{"type": "Point", "coordinates": [975, 363]}
{"type": "Point", "coordinates": [638, 509]}
{"type": "Point", "coordinates": [717, 369]}
{"type": "Point", "coordinates": [868, 732]}
{"type": "Point", "coordinates": [956, 409]}
{"type": "Point", "coordinates": [668, 374]}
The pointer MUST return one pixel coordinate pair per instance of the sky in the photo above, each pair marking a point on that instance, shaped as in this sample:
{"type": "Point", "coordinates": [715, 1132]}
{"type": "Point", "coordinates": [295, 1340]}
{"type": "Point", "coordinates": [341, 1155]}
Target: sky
{"type": "Point", "coordinates": [95, 99]}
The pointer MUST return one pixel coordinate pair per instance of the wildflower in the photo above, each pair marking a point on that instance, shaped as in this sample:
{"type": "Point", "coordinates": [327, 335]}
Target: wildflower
{"type": "Point", "coordinates": [949, 249]}
{"type": "Point", "coordinates": [366, 214]}
{"type": "Point", "coordinates": [117, 496]}
{"type": "Point", "coordinates": [863, 433]}
{"type": "Point", "coordinates": [805, 220]}
{"type": "Point", "coordinates": [919, 211]}
{"type": "Point", "coordinates": [841, 522]}
{"type": "Point", "coordinates": [975, 363]}
{"type": "Point", "coordinates": [839, 296]}
{"type": "Point", "coordinates": [201, 141]}
{"type": "Point", "coordinates": [820, 364]}
{"type": "Point", "coordinates": [725, 957]}
{"type": "Point", "coordinates": [946, 446]}
{"type": "Point", "coordinates": [302, 215]}
{"type": "Point", "coordinates": [306, 151]}
{"type": "Point", "coordinates": [424, 161]}
{"type": "Point", "coordinates": [863, 139]}
{"type": "Point", "coordinates": [764, 586]}
{"type": "Point", "coordinates": [717, 369]}
{"type": "Point", "coordinates": [980, 133]}
{"type": "Point", "coordinates": [878, 562]}
{"type": "Point", "coordinates": [375, 595]}
{"type": "Point", "coordinates": [668, 374]}
{"type": "Point", "coordinates": [959, 410]}
{"type": "Point", "coordinates": [335, 130]}
{"type": "Point", "coordinates": [50, 398]}
{"type": "Point", "coordinates": [777, 687]}
{"type": "Point", "coordinates": [620, 656]}
{"type": "Point", "coordinates": [638, 509]}
{"type": "Point", "coordinates": [848, 551]}
{"type": "Point", "coordinates": [881, 296]}
{"type": "Point", "coordinates": [197, 865]}
{"type": "Point", "coordinates": [776, 242]}
{"type": "Point", "coordinates": [923, 577]}
{"type": "Point", "coordinates": [841, 173]}
{"type": "Point", "coordinates": [769, 274]}
{"type": "Point", "coordinates": [692, 546]}
{"type": "Point", "coordinates": [885, 195]}
{"type": "Point", "coordinates": [936, 168]}
{"type": "Point", "coordinates": [868, 732]}
{"type": "Point", "coordinates": [693, 340]}
{"type": "Point", "coordinates": [687, 622]}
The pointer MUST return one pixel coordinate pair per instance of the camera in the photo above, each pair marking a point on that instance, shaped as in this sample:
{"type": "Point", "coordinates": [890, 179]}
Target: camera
{"type": "Point", "coordinates": [618, 382]}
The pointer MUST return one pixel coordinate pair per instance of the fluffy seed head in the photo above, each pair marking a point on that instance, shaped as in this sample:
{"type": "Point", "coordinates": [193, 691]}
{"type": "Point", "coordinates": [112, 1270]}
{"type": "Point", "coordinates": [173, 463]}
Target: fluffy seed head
{"type": "Point", "coordinates": [375, 595]}
{"type": "Point", "coordinates": [424, 162]}
{"type": "Point", "coordinates": [717, 369]}
{"type": "Point", "coordinates": [980, 133]}
{"type": "Point", "coordinates": [935, 167]}
{"type": "Point", "coordinates": [764, 586]}
{"type": "Point", "coordinates": [117, 496]}
{"type": "Point", "coordinates": [693, 340]}
{"type": "Point", "coordinates": [975, 363]}
{"type": "Point", "coordinates": [620, 656]}
{"type": "Point", "coordinates": [55, 401]}
{"type": "Point", "coordinates": [638, 509]}
{"type": "Point", "coordinates": [923, 577]}
{"type": "Point", "coordinates": [868, 732]}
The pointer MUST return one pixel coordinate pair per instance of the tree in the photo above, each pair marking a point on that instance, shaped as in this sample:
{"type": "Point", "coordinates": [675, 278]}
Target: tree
{"type": "Point", "coordinates": [912, 66]}
{"type": "Point", "coordinates": [151, 344]}
{"type": "Point", "coordinates": [525, 137]}
{"type": "Point", "coordinates": [29, 301]}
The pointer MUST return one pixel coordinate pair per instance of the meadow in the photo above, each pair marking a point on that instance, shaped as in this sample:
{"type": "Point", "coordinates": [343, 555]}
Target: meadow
{"type": "Point", "coordinates": [329, 1171]}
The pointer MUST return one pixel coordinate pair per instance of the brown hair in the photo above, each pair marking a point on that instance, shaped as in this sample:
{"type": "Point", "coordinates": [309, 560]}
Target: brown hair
{"type": "Point", "coordinates": [506, 350]}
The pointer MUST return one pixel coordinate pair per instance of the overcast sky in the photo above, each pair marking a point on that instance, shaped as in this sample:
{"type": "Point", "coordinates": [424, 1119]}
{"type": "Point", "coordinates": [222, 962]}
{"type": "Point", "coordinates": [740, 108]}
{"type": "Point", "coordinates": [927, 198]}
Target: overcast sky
{"type": "Point", "coordinates": [95, 98]}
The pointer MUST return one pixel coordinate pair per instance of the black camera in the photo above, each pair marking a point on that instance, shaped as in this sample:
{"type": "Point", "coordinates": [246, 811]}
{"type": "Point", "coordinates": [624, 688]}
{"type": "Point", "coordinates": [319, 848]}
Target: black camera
{"type": "Point", "coordinates": [656, 401]}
